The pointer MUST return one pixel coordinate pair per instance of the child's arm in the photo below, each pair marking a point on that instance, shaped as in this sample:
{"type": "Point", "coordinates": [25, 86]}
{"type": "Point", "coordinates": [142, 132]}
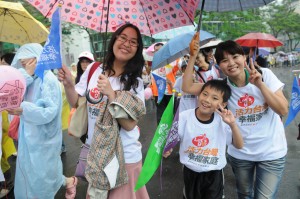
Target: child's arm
{"type": "Point", "coordinates": [188, 86]}
{"type": "Point", "coordinates": [229, 119]}
{"type": "Point", "coordinates": [168, 153]}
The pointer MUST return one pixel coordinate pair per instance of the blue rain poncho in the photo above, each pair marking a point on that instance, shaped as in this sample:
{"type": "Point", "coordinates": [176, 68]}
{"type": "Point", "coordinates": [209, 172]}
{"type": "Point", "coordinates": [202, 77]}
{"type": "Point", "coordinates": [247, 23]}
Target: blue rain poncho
{"type": "Point", "coordinates": [39, 166]}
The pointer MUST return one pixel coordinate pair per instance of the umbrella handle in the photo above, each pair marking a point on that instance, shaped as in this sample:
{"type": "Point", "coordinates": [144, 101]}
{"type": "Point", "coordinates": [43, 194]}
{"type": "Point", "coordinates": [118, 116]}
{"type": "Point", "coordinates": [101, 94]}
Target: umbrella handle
{"type": "Point", "coordinates": [192, 44]}
{"type": "Point", "coordinates": [200, 17]}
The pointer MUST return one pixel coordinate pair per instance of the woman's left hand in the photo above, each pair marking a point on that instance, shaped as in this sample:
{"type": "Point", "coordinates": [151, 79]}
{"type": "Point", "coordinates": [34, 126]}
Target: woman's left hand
{"type": "Point", "coordinates": [16, 111]}
{"type": "Point", "coordinates": [254, 76]}
{"type": "Point", "coordinates": [104, 87]}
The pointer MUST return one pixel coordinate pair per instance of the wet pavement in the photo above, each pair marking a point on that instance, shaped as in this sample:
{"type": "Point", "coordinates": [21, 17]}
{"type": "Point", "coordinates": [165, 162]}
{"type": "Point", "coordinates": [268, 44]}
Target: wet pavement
{"type": "Point", "coordinates": [167, 183]}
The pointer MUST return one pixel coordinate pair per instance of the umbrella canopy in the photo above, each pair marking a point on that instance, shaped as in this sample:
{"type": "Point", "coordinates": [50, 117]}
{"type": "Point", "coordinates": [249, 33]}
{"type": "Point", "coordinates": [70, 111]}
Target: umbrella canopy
{"type": "Point", "coordinates": [146, 56]}
{"type": "Point", "coordinates": [263, 52]}
{"type": "Point", "coordinates": [228, 5]}
{"type": "Point", "coordinates": [231, 5]}
{"type": "Point", "coordinates": [177, 47]}
{"type": "Point", "coordinates": [211, 44]}
{"type": "Point", "coordinates": [107, 15]}
{"type": "Point", "coordinates": [169, 34]}
{"type": "Point", "coordinates": [18, 26]}
{"type": "Point", "coordinates": [150, 49]}
{"type": "Point", "coordinates": [259, 40]}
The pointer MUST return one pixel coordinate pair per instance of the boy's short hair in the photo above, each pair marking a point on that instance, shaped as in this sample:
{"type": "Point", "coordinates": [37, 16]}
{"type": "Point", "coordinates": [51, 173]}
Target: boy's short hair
{"type": "Point", "coordinates": [219, 85]}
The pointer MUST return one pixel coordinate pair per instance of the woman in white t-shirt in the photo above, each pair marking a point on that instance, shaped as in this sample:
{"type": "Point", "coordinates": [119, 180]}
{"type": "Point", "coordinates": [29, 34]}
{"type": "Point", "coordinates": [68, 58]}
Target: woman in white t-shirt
{"type": "Point", "coordinates": [257, 102]}
{"type": "Point", "coordinates": [122, 71]}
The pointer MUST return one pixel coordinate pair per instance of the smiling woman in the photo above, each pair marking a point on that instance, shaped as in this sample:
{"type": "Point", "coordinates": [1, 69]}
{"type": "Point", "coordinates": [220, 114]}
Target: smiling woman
{"type": "Point", "coordinates": [119, 75]}
{"type": "Point", "coordinates": [257, 96]}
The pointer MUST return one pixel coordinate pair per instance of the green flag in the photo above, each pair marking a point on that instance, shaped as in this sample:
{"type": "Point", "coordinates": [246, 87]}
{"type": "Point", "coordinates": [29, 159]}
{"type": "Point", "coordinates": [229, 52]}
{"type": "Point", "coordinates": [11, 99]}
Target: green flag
{"type": "Point", "coordinates": [157, 145]}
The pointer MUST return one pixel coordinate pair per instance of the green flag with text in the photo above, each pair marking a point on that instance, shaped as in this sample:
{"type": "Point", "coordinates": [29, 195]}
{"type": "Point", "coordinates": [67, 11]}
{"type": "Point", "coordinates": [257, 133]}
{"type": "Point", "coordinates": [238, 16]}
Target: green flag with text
{"type": "Point", "coordinates": [157, 145]}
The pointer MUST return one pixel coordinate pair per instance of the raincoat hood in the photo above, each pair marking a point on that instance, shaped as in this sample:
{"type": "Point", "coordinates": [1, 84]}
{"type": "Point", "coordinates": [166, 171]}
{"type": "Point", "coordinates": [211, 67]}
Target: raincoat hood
{"type": "Point", "coordinates": [27, 51]}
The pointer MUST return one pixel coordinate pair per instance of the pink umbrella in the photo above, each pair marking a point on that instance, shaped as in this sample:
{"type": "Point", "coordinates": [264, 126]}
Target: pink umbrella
{"type": "Point", "coordinates": [150, 49]}
{"type": "Point", "coordinates": [151, 16]}
{"type": "Point", "coordinates": [259, 40]}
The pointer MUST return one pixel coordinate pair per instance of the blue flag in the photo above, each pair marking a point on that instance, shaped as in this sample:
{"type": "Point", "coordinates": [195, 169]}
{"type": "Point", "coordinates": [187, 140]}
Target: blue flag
{"type": "Point", "coordinates": [295, 102]}
{"type": "Point", "coordinates": [51, 55]}
{"type": "Point", "coordinates": [161, 84]}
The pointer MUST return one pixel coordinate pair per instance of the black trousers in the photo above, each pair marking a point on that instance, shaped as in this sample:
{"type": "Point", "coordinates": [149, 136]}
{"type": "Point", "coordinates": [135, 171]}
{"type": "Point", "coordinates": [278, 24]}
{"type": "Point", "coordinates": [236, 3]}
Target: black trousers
{"type": "Point", "coordinates": [204, 185]}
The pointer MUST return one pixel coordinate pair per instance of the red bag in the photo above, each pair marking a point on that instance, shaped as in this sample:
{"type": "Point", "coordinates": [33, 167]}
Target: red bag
{"type": "Point", "coordinates": [14, 127]}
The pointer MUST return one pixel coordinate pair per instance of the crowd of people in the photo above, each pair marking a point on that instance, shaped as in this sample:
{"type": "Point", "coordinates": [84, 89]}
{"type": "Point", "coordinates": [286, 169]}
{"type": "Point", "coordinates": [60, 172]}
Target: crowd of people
{"type": "Point", "coordinates": [229, 103]}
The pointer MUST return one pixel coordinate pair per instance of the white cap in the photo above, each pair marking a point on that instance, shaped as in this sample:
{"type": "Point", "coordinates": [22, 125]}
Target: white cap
{"type": "Point", "coordinates": [86, 54]}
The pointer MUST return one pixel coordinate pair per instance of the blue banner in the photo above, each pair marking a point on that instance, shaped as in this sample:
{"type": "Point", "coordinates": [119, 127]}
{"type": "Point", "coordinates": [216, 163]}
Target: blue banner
{"type": "Point", "coordinates": [295, 103]}
{"type": "Point", "coordinates": [161, 84]}
{"type": "Point", "coordinates": [51, 55]}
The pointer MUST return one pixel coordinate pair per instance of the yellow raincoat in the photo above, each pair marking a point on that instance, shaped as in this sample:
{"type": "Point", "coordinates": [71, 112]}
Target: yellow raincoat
{"type": "Point", "coordinates": [8, 146]}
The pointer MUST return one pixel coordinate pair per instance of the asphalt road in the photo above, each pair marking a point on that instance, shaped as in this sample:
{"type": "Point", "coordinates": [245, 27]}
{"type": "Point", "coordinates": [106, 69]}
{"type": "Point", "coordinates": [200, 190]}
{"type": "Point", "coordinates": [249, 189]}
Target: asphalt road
{"type": "Point", "coordinates": [169, 184]}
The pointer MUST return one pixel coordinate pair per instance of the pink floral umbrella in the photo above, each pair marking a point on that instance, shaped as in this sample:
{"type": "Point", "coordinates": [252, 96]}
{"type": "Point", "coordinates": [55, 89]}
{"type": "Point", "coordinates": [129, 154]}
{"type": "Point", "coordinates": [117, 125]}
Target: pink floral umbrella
{"type": "Point", "coordinates": [151, 16]}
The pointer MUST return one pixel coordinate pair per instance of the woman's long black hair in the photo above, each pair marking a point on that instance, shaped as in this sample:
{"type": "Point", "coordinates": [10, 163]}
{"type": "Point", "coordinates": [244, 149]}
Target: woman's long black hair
{"type": "Point", "coordinates": [79, 69]}
{"type": "Point", "coordinates": [134, 67]}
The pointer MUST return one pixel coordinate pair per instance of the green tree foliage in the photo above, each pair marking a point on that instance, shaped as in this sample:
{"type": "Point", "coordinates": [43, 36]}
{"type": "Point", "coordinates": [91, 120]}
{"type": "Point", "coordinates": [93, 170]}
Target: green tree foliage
{"type": "Point", "coordinates": [231, 25]}
{"type": "Point", "coordinates": [282, 19]}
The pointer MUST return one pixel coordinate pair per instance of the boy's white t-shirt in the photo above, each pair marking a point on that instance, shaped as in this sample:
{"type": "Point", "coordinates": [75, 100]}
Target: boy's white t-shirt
{"type": "Point", "coordinates": [187, 101]}
{"type": "Point", "coordinates": [202, 146]}
{"type": "Point", "coordinates": [131, 145]}
{"type": "Point", "coordinates": [262, 129]}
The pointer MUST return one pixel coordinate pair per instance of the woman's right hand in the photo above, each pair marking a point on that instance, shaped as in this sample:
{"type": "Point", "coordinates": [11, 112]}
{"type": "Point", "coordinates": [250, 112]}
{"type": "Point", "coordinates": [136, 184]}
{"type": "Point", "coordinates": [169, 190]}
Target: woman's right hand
{"type": "Point", "coordinates": [65, 76]}
{"type": "Point", "coordinates": [194, 45]}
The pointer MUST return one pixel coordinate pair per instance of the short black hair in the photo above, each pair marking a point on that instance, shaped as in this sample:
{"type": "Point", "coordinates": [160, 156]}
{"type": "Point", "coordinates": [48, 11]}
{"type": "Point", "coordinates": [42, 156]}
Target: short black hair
{"type": "Point", "coordinates": [205, 55]}
{"type": "Point", "coordinates": [219, 85]}
{"type": "Point", "coordinates": [262, 62]}
{"type": "Point", "coordinates": [230, 47]}
{"type": "Point", "coordinates": [158, 44]}
{"type": "Point", "coordinates": [8, 57]}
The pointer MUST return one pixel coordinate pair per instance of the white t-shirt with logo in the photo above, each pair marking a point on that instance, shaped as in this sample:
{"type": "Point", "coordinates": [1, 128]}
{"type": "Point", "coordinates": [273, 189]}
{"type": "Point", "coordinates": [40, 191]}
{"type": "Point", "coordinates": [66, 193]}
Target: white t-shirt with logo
{"type": "Point", "coordinates": [131, 145]}
{"type": "Point", "coordinates": [213, 73]}
{"type": "Point", "coordinates": [202, 146]}
{"type": "Point", "coordinates": [187, 101]}
{"type": "Point", "coordinates": [262, 129]}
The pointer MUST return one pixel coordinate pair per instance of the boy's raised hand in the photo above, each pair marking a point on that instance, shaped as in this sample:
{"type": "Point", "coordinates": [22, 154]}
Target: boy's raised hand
{"type": "Point", "coordinates": [194, 44]}
{"type": "Point", "coordinates": [226, 115]}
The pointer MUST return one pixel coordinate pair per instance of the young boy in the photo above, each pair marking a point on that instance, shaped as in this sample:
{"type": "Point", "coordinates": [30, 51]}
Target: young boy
{"type": "Point", "coordinates": [203, 138]}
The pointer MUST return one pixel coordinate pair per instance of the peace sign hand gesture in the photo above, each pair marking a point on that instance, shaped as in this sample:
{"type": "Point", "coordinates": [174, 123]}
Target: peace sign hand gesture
{"type": "Point", "coordinates": [226, 115]}
{"type": "Point", "coordinates": [254, 76]}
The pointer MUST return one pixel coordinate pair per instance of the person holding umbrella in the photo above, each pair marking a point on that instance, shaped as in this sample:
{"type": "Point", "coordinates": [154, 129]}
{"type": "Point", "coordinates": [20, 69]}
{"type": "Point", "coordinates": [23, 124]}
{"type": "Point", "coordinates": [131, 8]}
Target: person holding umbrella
{"type": "Point", "coordinates": [257, 102]}
{"type": "Point", "coordinates": [120, 71]}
